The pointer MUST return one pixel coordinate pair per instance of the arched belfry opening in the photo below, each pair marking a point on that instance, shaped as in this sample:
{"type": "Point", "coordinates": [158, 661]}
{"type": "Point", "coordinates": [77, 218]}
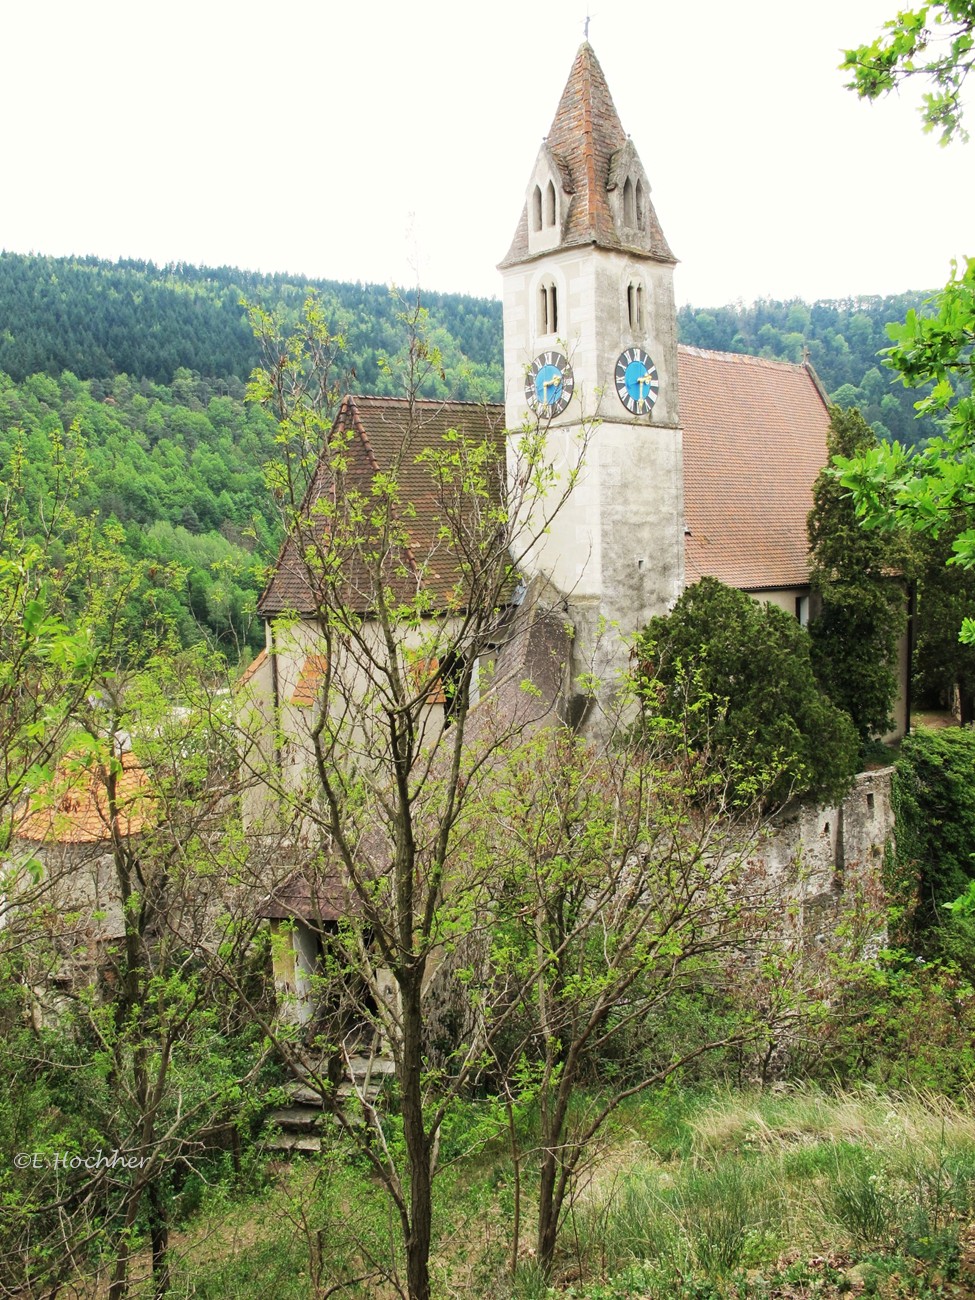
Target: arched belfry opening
{"type": "Point", "coordinates": [629, 204]}
{"type": "Point", "coordinates": [548, 307]}
{"type": "Point", "coordinates": [537, 208]}
{"type": "Point", "coordinates": [634, 304]}
{"type": "Point", "coordinates": [550, 205]}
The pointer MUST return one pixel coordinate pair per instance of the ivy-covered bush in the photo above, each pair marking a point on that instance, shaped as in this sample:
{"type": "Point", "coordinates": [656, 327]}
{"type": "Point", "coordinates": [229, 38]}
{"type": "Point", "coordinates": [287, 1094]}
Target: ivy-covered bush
{"type": "Point", "coordinates": [934, 804]}
{"type": "Point", "coordinates": [734, 677]}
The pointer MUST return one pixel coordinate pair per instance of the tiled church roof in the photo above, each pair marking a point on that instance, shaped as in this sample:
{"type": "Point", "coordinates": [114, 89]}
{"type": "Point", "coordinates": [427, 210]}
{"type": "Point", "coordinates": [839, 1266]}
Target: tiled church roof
{"type": "Point", "coordinates": [754, 443]}
{"type": "Point", "coordinates": [585, 139]}
{"type": "Point", "coordinates": [385, 435]}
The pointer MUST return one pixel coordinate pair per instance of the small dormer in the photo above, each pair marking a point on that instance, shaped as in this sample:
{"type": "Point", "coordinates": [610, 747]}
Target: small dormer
{"type": "Point", "coordinates": [628, 192]}
{"type": "Point", "coordinates": [546, 203]}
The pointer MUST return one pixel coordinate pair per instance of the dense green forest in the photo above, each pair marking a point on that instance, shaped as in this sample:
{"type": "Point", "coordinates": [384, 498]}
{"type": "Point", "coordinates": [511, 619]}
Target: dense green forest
{"type": "Point", "coordinates": [101, 319]}
{"type": "Point", "coordinates": [145, 367]}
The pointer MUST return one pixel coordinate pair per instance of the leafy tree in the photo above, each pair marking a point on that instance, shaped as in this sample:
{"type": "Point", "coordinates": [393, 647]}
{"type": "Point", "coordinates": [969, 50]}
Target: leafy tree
{"type": "Point", "coordinates": [162, 1067]}
{"type": "Point", "coordinates": [863, 604]}
{"type": "Point", "coordinates": [932, 489]}
{"type": "Point", "coordinates": [736, 676]}
{"type": "Point", "coordinates": [944, 666]}
{"type": "Point", "coordinates": [935, 43]}
{"type": "Point", "coordinates": [379, 784]}
{"type": "Point", "coordinates": [624, 879]}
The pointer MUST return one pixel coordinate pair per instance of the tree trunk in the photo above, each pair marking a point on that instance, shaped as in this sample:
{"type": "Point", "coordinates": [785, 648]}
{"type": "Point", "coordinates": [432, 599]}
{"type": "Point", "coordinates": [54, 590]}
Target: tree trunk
{"type": "Point", "coordinates": [159, 1237]}
{"type": "Point", "coordinates": [417, 1145]}
{"type": "Point", "coordinates": [548, 1219]}
{"type": "Point", "coordinates": [120, 1285]}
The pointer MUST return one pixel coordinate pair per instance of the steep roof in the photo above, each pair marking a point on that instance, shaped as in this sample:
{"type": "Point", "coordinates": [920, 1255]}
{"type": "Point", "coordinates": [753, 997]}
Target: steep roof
{"type": "Point", "coordinates": [586, 140]}
{"type": "Point", "coordinates": [754, 443]}
{"type": "Point", "coordinates": [380, 436]}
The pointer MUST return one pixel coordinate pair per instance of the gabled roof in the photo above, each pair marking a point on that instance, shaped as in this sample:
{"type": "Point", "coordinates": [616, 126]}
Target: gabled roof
{"type": "Point", "coordinates": [380, 436]}
{"type": "Point", "coordinates": [585, 141]}
{"type": "Point", "coordinates": [754, 443]}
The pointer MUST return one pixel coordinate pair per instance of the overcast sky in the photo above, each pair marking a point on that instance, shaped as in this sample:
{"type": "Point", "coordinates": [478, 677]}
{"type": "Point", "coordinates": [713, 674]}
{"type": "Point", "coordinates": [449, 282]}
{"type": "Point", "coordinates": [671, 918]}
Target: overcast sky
{"type": "Point", "coordinates": [357, 141]}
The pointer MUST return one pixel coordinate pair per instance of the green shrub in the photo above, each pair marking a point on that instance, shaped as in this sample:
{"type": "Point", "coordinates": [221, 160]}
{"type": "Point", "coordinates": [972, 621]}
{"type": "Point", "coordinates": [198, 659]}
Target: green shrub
{"type": "Point", "coordinates": [733, 677]}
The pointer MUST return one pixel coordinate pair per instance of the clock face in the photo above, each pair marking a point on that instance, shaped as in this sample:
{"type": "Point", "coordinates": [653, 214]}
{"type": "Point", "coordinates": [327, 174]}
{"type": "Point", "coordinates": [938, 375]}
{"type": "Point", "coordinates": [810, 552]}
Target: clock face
{"type": "Point", "coordinates": [549, 384]}
{"type": "Point", "coordinates": [637, 381]}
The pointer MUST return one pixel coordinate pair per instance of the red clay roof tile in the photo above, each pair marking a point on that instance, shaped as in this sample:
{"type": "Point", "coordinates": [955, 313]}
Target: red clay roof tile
{"type": "Point", "coordinates": [754, 443]}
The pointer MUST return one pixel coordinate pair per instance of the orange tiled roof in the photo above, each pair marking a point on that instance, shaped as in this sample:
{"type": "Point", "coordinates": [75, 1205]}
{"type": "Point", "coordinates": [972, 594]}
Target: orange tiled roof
{"type": "Point", "coordinates": [585, 138]}
{"type": "Point", "coordinates": [754, 443]}
{"type": "Point", "coordinates": [73, 807]}
{"type": "Point", "coordinates": [310, 679]}
{"type": "Point", "coordinates": [385, 434]}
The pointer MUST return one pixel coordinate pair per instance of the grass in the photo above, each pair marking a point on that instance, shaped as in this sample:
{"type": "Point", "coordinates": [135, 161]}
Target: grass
{"type": "Point", "coordinates": [799, 1193]}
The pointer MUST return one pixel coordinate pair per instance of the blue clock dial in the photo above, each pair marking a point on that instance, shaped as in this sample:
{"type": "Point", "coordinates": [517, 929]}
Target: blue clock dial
{"type": "Point", "coordinates": [549, 384]}
{"type": "Point", "coordinates": [637, 381]}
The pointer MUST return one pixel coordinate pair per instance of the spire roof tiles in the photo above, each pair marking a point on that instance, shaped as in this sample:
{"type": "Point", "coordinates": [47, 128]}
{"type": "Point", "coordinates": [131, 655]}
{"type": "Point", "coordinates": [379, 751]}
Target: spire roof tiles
{"type": "Point", "coordinates": [584, 141]}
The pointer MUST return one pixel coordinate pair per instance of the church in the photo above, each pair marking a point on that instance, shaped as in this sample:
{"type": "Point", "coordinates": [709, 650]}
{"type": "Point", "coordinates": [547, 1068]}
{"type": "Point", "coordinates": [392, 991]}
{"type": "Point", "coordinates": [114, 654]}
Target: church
{"type": "Point", "coordinates": [686, 462]}
{"type": "Point", "coordinates": [682, 463]}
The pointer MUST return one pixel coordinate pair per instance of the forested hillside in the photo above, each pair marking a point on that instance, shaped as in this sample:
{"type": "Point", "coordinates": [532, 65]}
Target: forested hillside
{"type": "Point", "coordinates": [145, 368]}
{"type": "Point", "coordinates": [101, 319]}
{"type": "Point", "coordinates": [842, 339]}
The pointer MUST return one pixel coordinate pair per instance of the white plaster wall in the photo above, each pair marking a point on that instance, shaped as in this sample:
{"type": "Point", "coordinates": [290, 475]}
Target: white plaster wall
{"type": "Point", "coordinates": [616, 548]}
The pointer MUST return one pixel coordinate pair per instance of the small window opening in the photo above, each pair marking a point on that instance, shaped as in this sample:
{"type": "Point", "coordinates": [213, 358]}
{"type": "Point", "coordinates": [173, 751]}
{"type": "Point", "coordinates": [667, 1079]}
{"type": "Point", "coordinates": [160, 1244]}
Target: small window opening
{"type": "Point", "coordinates": [550, 205]}
{"type": "Point", "coordinates": [802, 610]}
{"type": "Point", "coordinates": [629, 203]}
{"type": "Point", "coordinates": [826, 829]}
{"type": "Point", "coordinates": [641, 207]}
{"type": "Point", "coordinates": [548, 308]}
{"type": "Point", "coordinates": [869, 801]}
{"type": "Point", "coordinates": [634, 305]}
{"type": "Point", "coordinates": [455, 675]}
{"type": "Point", "coordinates": [537, 208]}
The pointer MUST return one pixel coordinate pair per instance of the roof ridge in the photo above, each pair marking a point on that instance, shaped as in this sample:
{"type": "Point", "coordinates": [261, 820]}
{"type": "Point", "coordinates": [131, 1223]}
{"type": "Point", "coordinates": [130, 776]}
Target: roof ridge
{"type": "Point", "coordinates": [423, 402]}
{"type": "Point", "coordinates": [741, 358]}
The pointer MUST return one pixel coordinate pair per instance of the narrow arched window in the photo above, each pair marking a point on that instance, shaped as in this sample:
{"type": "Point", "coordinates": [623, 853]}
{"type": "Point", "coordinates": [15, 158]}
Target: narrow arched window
{"type": "Point", "coordinates": [641, 207]}
{"type": "Point", "coordinates": [548, 308]}
{"type": "Point", "coordinates": [550, 205]}
{"type": "Point", "coordinates": [634, 304]}
{"type": "Point", "coordinates": [629, 204]}
{"type": "Point", "coordinates": [537, 208]}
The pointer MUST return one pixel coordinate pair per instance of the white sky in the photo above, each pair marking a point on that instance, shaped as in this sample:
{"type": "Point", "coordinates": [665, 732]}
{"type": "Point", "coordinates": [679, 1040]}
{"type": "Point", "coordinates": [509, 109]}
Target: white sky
{"type": "Point", "coordinates": [356, 141]}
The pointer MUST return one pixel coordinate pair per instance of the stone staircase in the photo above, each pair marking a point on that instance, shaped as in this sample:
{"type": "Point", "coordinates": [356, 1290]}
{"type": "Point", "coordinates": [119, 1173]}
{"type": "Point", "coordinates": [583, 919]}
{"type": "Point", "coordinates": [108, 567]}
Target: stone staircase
{"type": "Point", "coordinates": [298, 1125]}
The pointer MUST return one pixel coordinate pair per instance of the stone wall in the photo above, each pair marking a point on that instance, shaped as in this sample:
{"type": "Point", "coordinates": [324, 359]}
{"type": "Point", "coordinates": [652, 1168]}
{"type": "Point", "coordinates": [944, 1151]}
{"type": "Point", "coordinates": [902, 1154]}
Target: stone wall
{"type": "Point", "coordinates": [827, 861]}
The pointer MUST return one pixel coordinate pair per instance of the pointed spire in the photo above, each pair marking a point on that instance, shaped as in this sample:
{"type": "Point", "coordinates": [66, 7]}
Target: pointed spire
{"type": "Point", "coordinates": [585, 141]}
{"type": "Point", "coordinates": [585, 133]}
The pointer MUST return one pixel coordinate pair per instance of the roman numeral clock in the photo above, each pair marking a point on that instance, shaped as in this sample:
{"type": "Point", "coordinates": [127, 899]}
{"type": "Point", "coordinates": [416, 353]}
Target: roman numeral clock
{"type": "Point", "coordinates": [549, 384]}
{"type": "Point", "coordinates": [637, 381]}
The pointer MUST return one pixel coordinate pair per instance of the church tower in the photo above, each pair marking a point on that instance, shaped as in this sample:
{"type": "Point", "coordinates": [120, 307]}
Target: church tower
{"type": "Point", "coordinates": [590, 348]}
